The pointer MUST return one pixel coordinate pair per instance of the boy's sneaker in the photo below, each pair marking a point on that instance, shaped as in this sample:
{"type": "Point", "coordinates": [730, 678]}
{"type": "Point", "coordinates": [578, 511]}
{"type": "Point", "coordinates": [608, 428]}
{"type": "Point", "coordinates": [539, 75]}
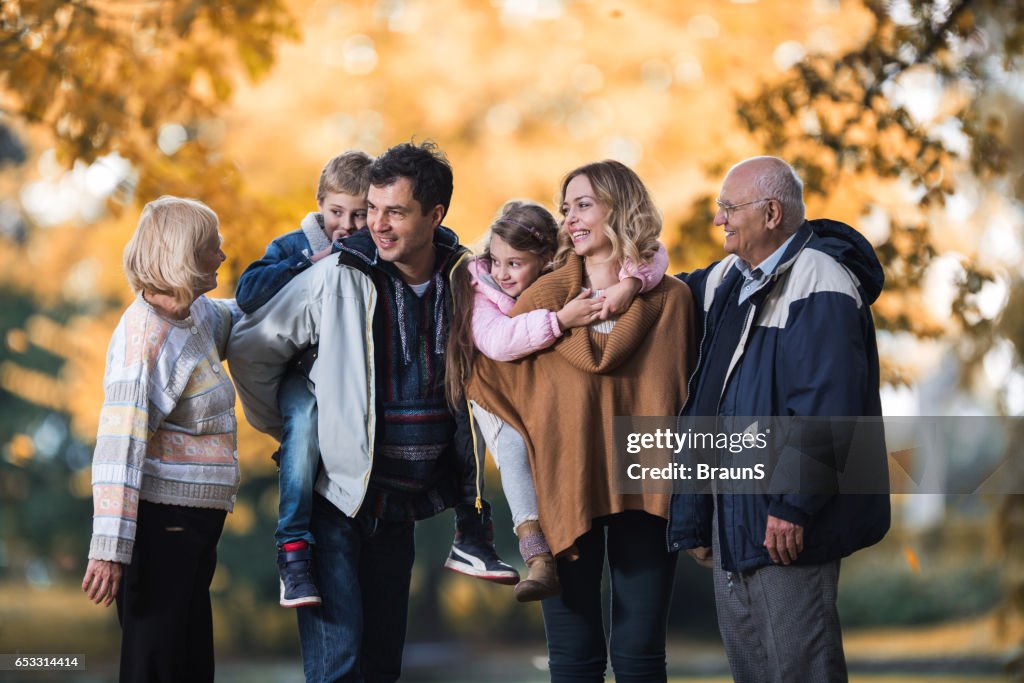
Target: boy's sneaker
{"type": "Point", "coordinates": [297, 588]}
{"type": "Point", "coordinates": [475, 556]}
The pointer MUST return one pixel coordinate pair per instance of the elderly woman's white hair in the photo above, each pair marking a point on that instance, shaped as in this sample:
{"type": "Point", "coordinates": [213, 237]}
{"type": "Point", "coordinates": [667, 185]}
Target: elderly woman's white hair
{"type": "Point", "coordinates": [162, 255]}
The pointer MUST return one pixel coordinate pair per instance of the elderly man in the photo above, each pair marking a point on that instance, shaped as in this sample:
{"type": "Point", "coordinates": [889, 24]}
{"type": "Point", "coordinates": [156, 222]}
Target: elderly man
{"type": "Point", "coordinates": [787, 331]}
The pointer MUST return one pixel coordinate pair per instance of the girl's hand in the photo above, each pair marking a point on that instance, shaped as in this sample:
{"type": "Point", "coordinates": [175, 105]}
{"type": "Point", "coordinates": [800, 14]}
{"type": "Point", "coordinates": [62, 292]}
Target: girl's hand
{"type": "Point", "coordinates": [580, 311]}
{"type": "Point", "coordinates": [619, 296]}
{"type": "Point", "coordinates": [101, 581]}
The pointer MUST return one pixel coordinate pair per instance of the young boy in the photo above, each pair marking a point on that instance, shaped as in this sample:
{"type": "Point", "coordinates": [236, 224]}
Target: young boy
{"type": "Point", "coordinates": [341, 199]}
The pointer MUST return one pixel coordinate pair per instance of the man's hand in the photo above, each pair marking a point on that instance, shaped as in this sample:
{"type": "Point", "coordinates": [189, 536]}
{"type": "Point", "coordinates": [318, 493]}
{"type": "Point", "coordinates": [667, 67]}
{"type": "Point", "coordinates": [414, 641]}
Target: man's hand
{"type": "Point", "coordinates": [784, 540]}
{"type": "Point", "coordinates": [101, 581]}
{"type": "Point", "coordinates": [619, 296]}
{"type": "Point", "coordinates": [702, 556]}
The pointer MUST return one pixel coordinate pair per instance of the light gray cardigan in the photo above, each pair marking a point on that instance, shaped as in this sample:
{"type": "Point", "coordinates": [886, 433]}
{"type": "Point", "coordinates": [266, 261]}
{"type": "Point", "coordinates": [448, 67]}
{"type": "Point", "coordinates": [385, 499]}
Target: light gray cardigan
{"type": "Point", "coordinates": [331, 305]}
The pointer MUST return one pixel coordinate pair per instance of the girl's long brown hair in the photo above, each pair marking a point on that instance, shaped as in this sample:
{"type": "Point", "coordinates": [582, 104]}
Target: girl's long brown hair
{"type": "Point", "coordinates": [524, 226]}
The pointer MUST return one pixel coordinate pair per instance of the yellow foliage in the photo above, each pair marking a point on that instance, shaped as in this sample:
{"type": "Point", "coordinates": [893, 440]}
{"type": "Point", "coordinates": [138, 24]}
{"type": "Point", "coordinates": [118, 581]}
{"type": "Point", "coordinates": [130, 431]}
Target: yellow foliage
{"type": "Point", "coordinates": [514, 100]}
{"type": "Point", "coordinates": [241, 520]}
{"type": "Point", "coordinates": [31, 385]}
{"type": "Point", "coordinates": [17, 341]}
{"type": "Point", "coordinates": [464, 601]}
{"type": "Point", "coordinates": [80, 483]}
{"type": "Point", "coordinates": [20, 449]}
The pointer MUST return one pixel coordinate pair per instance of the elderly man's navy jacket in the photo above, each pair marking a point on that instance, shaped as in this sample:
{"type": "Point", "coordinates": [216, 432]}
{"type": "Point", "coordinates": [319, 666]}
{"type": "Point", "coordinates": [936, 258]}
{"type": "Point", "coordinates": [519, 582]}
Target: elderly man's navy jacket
{"type": "Point", "coordinates": [806, 348]}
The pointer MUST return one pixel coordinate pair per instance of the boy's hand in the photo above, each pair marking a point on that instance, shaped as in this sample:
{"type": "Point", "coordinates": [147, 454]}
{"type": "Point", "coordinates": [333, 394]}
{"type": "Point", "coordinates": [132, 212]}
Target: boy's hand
{"type": "Point", "coordinates": [619, 296]}
{"type": "Point", "coordinates": [323, 253]}
{"type": "Point", "coordinates": [580, 311]}
{"type": "Point", "coordinates": [341, 233]}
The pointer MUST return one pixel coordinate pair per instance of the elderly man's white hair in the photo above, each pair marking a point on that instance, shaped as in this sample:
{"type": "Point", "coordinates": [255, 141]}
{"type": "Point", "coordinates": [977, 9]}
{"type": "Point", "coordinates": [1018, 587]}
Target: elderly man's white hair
{"type": "Point", "coordinates": [775, 179]}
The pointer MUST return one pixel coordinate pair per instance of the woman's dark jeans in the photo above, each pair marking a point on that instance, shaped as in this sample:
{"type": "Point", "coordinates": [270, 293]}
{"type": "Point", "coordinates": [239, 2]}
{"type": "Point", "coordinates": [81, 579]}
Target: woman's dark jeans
{"type": "Point", "coordinates": [163, 602]}
{"type": "Point", "coordinates": [641, 589]}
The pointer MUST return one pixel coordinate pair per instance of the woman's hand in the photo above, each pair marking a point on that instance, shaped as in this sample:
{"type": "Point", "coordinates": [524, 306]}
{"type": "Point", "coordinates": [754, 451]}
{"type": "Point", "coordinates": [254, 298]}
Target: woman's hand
{"type": "Point", "coordinates": [580, 311]}
{"type": "Point", "coordinates": [619, 296]}
{"type": "Point", "coordinates": [101, 581]}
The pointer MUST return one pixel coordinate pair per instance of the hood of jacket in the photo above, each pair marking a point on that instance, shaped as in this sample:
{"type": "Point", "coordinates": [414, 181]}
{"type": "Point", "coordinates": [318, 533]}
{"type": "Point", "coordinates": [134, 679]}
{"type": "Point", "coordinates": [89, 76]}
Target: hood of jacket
{"type": "Point", "coordinates": [313, 228]}
{"type": "Point", "coordinates": [483, 283]}
{"type": "Point", "coordinates": [852, 250]}
{"type": "Point", "coordinates": [361, 245]}
{"type": "Point", "coordinates": [360, 250]}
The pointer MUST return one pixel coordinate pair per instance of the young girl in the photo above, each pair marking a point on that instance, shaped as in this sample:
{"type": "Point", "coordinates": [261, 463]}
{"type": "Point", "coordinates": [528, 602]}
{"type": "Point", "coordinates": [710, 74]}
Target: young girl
{"type": "Point", "coordinates": [520, 247]}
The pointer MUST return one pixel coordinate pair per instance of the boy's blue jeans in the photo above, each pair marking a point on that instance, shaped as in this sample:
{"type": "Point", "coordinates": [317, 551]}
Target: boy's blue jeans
{"type": "Point", "coordinates": [299, 459]}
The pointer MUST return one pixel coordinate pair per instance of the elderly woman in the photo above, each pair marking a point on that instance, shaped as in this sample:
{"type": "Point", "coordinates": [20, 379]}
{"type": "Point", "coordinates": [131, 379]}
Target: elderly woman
{"type": "Point", "coordinates": [562, 400]}
{"type": "Point", "coordinates": [165, 469]}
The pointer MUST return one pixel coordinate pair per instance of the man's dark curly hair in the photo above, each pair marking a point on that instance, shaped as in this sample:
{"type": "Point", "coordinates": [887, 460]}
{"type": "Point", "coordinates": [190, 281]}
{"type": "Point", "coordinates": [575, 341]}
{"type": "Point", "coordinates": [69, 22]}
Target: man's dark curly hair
{"type": "Point", "coordinates": [425, 165]}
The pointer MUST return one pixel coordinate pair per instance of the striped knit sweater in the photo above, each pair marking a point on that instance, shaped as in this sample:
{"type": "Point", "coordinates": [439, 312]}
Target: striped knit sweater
{"type": "Point", "coordinates": [417, 469]}
{"type": "Point", "coordinates": [167, 431]}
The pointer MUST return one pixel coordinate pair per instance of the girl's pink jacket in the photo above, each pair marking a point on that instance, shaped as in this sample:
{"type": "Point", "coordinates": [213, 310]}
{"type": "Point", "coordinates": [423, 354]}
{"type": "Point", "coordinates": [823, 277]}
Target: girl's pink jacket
{"type": "Point", "coordinates": [502, 338]}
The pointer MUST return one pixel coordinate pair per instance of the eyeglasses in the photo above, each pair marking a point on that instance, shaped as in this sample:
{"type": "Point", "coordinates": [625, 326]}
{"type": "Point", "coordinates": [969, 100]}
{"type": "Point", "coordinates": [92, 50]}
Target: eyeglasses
{"type": "Point", "coordinates": [726, 209]}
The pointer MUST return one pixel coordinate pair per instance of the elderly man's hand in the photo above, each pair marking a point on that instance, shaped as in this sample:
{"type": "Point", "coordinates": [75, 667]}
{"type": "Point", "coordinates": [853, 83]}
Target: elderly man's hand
{"type": "Point", "coordinates": [702, 556]}
{"type": "Point", "coordinates": [784, 540]}
{"type": "Point", "coordinates": [101, 581]}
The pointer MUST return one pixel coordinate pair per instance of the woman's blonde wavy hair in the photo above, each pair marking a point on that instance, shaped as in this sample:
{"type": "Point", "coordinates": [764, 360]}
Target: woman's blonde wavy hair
{"type": "Point", "coordinates": [634, 222]}
{"type": "Point", "coordinates": [162, 256]}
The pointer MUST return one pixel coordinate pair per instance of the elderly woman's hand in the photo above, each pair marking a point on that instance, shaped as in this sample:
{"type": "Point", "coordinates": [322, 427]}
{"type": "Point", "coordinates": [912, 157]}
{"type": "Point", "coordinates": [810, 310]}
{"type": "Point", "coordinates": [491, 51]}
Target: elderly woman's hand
{"type": "Point", "coordinates": [101, 580]}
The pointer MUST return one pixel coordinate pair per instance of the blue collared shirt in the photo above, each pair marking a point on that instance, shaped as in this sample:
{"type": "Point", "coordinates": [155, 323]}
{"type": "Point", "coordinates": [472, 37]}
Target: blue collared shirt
{"type": "Point", "coordinates": [754, 278]}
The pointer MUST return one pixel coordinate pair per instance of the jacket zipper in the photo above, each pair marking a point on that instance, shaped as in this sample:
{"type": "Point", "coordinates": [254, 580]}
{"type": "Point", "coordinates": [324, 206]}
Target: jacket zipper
{"type": "Point", "coordinates": [689, 383]}
{"type": "Point", "coordinates": [479, 504]}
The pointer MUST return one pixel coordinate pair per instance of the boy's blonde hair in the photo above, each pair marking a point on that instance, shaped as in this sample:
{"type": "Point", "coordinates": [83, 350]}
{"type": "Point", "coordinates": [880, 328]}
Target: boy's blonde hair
{"type": "Point", "coordinates": [162, 256]}
{"type": "Point", "coordinates": [349, 172]}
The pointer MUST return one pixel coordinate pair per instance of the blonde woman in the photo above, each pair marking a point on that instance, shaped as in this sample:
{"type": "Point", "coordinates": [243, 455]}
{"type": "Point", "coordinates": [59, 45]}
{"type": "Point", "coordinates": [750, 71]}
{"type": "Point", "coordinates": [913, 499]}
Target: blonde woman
{"type": "Point", "coordinates": [562, 401]}
{"type": "Point", "coordinates": [165, 469]}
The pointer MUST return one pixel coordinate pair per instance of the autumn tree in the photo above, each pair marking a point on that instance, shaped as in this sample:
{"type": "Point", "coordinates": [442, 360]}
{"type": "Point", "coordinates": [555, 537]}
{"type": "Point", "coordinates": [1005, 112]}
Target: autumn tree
{"type": "Point", "coordinates": [140, 82]}
{"type": "Point", "coordinates": [517, 93]}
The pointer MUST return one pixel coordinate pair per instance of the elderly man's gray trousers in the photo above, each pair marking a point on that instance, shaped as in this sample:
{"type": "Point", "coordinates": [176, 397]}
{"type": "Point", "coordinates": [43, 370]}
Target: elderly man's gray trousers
{"type": "Point", "coordinates": [779, 623]}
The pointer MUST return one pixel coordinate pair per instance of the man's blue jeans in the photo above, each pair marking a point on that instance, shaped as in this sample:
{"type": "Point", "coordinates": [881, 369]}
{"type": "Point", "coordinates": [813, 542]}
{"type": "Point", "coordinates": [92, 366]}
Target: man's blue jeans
{"type": "Point", "coordinates": [641, 574]}
{"type": "Point", "coordinates": [362, 566]}
{"type": "Point", "coordinates": [299, 459]}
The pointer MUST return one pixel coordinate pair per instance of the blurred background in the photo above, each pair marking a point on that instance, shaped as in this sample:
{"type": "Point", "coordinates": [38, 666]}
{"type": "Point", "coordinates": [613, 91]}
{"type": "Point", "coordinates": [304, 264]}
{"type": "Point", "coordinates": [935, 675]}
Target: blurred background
{"type": "Point", "coordinates": [904, 118]}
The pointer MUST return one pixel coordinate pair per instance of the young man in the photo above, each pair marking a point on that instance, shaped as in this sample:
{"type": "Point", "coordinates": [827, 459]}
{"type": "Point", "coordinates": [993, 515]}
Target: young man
{"type": "Point", "coordinates": [392, 450]}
